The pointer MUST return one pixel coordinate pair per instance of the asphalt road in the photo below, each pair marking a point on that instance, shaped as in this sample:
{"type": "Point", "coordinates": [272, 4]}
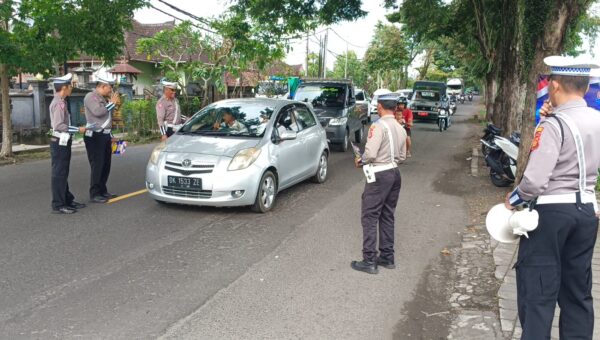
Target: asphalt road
{"type": "Point", "coordinates": [136, 269]}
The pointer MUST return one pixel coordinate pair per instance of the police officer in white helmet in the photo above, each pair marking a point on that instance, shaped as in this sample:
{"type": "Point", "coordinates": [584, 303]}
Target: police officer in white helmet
{"type": "Point", "coordinates": [554, 262]}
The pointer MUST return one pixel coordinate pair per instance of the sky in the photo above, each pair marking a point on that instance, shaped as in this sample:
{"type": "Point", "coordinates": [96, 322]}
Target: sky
{"type": "Point", "coordinates": [358, 33]}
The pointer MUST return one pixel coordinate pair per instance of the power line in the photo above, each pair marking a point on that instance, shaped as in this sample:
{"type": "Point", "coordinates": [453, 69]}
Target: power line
{"type": "Point", "coordinates": [347, 42]}
{"type": "Point", "coordinates": [177, 18]}
{"type": "Point", "coordinates": [202, 20]}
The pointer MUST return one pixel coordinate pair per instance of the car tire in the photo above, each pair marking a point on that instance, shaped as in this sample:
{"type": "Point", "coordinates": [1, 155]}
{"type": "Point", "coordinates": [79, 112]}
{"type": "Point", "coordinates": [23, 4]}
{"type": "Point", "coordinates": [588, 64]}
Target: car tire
{"type": "Point", "coordinates": [321, 175]}
{"type": "Point", "coordinates": [266, 194]}
{"type": "Point", "coordinates": [359, 135]}
{"type": "Point", "coordinates": [343, 147]}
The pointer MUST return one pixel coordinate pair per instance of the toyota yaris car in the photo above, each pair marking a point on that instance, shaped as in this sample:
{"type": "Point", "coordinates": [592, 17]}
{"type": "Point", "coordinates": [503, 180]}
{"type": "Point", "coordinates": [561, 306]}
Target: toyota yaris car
{"type": "Point", "coordinates": [239, 152]}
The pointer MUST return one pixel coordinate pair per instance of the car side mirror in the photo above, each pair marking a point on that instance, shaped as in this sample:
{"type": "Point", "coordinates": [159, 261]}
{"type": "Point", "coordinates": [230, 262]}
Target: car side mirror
{"type": "Point", "coordinates": [288, 135]}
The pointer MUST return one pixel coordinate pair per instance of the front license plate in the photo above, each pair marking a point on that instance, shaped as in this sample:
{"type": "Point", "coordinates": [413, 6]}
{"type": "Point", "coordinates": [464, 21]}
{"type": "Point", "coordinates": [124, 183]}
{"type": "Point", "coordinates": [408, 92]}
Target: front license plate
{"type": "Point", "coordinates": [185, 182]}
{"type": "Point", "coordinates": [423, 114]}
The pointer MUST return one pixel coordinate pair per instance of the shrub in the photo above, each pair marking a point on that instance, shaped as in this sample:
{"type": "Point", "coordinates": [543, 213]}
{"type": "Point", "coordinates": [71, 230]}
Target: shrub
{"type": "Point", "coordinates": [139, 117]}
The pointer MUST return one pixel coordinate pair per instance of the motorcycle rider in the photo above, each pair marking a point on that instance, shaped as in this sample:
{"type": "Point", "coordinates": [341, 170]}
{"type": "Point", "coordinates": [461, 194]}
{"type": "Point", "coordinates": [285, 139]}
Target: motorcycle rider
{"type": "Point", "coordinates": [404, 116]}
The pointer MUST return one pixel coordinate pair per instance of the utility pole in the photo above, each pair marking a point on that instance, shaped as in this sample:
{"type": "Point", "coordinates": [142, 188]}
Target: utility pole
{"type": "Point", "coordinates": [325, 53]}
{"type": "Point", "coordinates": [307, 52]}
{"type": "Point", "coordinates": [320, 68]}
{"type": "Point", "coordinates": [346, 64]}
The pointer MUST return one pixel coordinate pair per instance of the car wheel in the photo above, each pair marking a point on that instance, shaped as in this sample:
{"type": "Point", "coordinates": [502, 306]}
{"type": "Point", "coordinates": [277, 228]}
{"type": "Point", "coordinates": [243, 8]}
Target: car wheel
{"type": "Point", "coordinates": [343, 147]}
{"type": "Point", "coordinates": [321, 175]}
{"type": "Point", "coordinates": [359, 134]}
{"type": "Point", "coordinates": [267, 192]}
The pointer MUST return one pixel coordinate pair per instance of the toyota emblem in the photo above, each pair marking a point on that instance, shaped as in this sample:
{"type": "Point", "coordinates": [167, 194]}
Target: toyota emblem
{"type": "Point", "coordinates": [186, 163]}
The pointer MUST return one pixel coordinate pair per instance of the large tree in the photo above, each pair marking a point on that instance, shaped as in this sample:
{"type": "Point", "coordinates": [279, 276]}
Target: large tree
{"type": "Point", "coordinates": [347, 65]}
{"type": "Point", "coordinates": [387, 56]}
{"type": "Point", "coordinates": [36, 35]}
{"type": "Point", "coordinates": [548, 30]}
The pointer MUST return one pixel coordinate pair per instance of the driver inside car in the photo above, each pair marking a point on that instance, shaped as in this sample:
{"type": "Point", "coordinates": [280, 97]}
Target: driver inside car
{"type": "Point", "coordinates": [230, 123]}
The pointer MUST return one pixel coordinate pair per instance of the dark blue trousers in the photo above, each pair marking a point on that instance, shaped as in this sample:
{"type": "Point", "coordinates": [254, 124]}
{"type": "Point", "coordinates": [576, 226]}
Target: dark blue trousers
{"type": "Point", "coordinates": [379, 202]}
{"type": "Point", "coordinates": [555, 265]}
{"type": "Point", "coordinates": [99, 151]}
{"type": "Point", "coordinates": [61, 160]}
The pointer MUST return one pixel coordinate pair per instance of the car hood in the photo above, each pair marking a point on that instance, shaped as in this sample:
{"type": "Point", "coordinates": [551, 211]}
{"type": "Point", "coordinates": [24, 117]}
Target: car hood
{"type": "Point", "coordinates": [206, 145]}
{"type": "Point", "coordinates": [323, 112]}
{"type": "Point", "coordinates": [424, 102]}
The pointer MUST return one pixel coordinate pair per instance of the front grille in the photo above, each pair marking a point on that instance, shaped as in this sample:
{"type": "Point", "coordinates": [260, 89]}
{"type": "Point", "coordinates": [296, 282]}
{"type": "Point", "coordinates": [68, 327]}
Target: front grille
{"type": "Point", "coordinates": [191, 170]}
{"type": "Point", "coordinates": [330, 135]}
{"type": "Point", "coordinates": [424, 108]}
{"type": "Point", "coordinates": [188, 193]}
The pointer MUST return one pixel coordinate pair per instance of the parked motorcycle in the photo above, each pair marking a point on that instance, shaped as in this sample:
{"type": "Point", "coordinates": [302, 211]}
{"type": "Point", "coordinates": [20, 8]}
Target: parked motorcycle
{"type": "Point", "coordinates": [470, 96]}
{"type": "Point", "coordinates": [461, 97]}
{"type": "Point", "coordinates": [489, 133]}
{"type": "Point", "coordinates": [502, 159]}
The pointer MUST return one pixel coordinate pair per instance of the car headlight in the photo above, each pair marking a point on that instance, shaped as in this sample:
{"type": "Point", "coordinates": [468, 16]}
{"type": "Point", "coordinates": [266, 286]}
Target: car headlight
{"type": "Point", "coordinates": [442, 111]}
{"type": "Point", "coordinates": [243, 159]}
{"type": "Point", "coordinates": [156, 152]}
{"type": "Point", "coordinates": [338, 121]}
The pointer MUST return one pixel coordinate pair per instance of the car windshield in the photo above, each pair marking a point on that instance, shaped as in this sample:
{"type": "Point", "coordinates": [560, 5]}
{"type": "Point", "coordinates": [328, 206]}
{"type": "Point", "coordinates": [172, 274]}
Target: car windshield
{"type": "Point", "coordinates": [247, 119]}
{"type": "Point", "coordinates": [455, 87]}
{"type": "Point", "coordinates": [427, 95]}
{"type": "Point", "coordinates": [322, 95]}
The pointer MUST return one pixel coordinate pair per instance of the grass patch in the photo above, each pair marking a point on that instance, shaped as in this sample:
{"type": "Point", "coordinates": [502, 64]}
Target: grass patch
{"type": "Point", "coordinates": [598, 182]}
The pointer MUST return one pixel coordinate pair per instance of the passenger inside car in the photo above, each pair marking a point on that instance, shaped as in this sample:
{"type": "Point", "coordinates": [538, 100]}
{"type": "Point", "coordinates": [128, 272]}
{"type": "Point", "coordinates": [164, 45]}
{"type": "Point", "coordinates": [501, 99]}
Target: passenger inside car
{"type": "Point", "coordinates": [230, 123]}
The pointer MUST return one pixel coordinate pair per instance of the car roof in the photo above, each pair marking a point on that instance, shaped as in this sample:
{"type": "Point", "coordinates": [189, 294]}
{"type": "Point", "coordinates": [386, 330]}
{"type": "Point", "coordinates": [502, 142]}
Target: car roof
{"type": "Point", "coordinates": [274, 102]}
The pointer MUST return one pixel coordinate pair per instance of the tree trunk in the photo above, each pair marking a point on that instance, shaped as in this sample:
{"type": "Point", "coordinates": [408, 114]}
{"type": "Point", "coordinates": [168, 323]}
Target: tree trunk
{"type": "Point", "coordinates": [490, 94]}
{"type": "Point", "coordinates": [505, 112]}
{"type": "Point", "coordinates": [6, 151]}
{"type": "Point", "coordinates": [428, 58]}
{"type": "Point", "coordinates": [552, 42]}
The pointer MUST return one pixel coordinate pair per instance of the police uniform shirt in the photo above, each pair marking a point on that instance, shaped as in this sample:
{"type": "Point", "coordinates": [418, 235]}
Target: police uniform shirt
{"type": "Point", "coordinates": [377, 149]}
{"type": "Point", "coordinates": [168, 111]}
{"type": "Point", "coordinates": [97, 111]}
{"type": "Point", "coordinates": [59, 114]}
{"type": "Point", "coordinates": [554, 170]}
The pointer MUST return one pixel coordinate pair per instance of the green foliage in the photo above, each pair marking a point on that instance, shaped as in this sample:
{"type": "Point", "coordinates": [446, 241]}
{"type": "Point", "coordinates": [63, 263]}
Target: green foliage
{"type": "Point", "coordinates": [355, 69]}
{"type": "Point", "coordinates": [139, 117]}
{"type": "Point", "coordinates": [47, 32]}
{"type": "Point", "coordinates": [298, 15]}
{"type": "Point", "coordinates": [387, 49]}
{"type": "Point", "coordinates": [598, 182]}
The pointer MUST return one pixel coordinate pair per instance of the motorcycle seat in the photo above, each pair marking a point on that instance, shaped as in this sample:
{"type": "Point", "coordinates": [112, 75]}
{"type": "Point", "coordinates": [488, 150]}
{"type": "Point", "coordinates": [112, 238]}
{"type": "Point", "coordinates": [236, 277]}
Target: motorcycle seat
{"type": "Point", "coordinates": [494, 129]}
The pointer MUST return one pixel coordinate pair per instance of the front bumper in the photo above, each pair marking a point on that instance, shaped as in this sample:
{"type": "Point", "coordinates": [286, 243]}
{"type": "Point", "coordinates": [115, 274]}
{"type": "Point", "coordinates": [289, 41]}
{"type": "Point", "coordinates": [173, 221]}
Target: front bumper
{"type": "Point", "coordinates": [335, 133]}
{"type": "Point", "coordinates": [426, 115]}
{"type": "Point", "coordinates": [218, 187]}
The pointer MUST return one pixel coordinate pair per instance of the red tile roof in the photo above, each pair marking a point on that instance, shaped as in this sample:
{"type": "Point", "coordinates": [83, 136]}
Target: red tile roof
{"type": "Point", "coordinates": [124, 68]}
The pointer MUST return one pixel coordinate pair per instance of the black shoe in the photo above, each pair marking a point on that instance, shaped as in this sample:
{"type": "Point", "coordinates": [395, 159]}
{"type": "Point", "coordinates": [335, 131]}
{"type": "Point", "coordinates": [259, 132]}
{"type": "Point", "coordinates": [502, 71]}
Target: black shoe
{"type": "Point", "coordinates": [76, 205]}
{"type": "Point", "coordinates": [385, 263]}
{"type": "Point", "coordinates": [108, 195]}
{"type": "Point", "coordinates": [64, 210]}
{"type": "Point", "coordinates": [365, 266]}
{"type": "Point", "coordinates": [99, 199]}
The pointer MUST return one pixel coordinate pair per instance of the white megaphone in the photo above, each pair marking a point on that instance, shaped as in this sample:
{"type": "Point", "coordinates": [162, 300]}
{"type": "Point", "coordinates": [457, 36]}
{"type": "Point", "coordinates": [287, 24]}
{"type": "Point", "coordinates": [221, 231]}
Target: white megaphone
{"type": "Point", "coordinates": [507, 226]}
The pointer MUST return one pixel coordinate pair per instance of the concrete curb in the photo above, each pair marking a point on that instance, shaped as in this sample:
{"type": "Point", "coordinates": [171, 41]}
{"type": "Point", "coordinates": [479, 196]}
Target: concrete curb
{"type": "Point", "coordinates": [475, 162]}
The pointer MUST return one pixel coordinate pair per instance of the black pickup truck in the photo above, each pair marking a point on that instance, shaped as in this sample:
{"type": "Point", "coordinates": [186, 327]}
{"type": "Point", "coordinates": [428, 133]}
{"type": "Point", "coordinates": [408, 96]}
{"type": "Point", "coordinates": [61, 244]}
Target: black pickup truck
{"type": "Point", "coordinates": [334, 103]}
{"type": "Point", "coordinates": [429, 97]}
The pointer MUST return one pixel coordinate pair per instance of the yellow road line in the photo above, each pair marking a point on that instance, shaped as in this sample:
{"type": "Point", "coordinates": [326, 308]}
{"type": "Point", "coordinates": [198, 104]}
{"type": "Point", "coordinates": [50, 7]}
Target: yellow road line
{"type": "Point", "coordinates": [122, 197]}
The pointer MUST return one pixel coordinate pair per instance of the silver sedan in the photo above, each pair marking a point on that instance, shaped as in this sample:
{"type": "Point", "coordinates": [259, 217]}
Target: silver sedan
{"type": "Point", "coordinates": [239, 152]}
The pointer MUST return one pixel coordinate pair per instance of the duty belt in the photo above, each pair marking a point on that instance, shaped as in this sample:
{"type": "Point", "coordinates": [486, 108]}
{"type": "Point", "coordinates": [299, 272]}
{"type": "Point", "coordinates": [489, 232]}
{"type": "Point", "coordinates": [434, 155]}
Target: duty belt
{"type": "Point", "coordinates": [379, 168]}
{"type": "Point", "coordinates": [104, 131]}
{"type": "Point", "coordinates": [58, 134]}
{"type": "Point", "coordinates": [568, 198]}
